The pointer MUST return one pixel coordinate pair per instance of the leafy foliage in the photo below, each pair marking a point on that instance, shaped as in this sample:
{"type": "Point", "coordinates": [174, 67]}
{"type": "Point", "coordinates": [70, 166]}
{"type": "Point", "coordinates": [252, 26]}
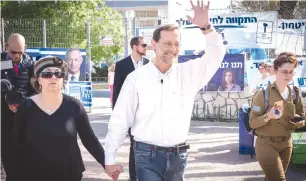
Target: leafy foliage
{"type": "Point", "coordinates": [65, 24]}
{"type": "Point", "coordinates": [285, 9]}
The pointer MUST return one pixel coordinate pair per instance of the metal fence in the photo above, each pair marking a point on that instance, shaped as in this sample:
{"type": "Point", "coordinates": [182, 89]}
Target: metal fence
{"type": "Point", "coordinates": [59, 33]}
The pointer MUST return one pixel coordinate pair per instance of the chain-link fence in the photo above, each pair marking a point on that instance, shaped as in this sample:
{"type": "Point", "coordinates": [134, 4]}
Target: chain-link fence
{"type": "Point", "coordinates": [46, 33]}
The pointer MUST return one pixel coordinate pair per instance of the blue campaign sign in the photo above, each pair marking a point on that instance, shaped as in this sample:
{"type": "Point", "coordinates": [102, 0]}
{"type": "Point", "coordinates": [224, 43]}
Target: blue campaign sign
{"type": "Point", "coordinates": [230, 75]}
{"type": "Point", "coordinates": [301, 82]}
{"type": "Point", "coordinates": [33, 52]}
{"type": "Point", "coordinates": [81, 90]}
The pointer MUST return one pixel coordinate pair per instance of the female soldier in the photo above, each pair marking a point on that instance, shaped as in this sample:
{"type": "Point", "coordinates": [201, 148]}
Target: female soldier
{"type": "Point", "coordinates": [274, 127]}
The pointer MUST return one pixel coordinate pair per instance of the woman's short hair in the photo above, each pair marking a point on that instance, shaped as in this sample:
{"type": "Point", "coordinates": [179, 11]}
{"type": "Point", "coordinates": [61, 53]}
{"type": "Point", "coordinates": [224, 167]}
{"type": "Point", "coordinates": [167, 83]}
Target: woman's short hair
{"type": "Point", "coordinates": [285, 57]}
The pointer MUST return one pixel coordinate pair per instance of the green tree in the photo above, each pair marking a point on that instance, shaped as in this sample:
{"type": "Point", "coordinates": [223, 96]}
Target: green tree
{"type": "Point", "coordinates": [285, 9]}
{"type": "Point", "coordinates": [65, 24]}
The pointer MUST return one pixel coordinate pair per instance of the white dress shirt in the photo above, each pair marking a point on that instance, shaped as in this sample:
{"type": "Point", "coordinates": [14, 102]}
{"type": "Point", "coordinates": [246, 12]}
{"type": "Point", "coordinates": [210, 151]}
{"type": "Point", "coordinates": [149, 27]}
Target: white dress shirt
{"type": "Point", "coordinates": [137, 64]}
{"type": "Point", "coordinates": [158, 106]}
{"type": "Point", "coordinates": [76, 76]}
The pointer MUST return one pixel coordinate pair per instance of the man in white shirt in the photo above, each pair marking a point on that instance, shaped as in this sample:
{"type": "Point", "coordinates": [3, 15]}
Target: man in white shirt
{"type": "Point", "coordinates": [123, 68]}
{"type": "Point", "coordinates": [156, 101]}
{"type": "Point", "coordinates": [74, 60]}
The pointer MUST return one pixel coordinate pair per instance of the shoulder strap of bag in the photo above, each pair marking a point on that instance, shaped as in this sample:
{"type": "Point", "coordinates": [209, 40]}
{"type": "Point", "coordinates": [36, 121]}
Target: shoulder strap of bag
{"type": "Point", "coordinates": [266, 97]}
{"type": "Point", "coordinates": [295, 94]}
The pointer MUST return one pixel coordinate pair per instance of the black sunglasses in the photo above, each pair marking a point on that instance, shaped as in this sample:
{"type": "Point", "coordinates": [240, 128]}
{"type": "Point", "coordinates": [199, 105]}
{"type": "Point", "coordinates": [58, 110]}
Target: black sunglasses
{"type": "Point", "coordinates": [15, 52]}
{"type": "Point", "coordinates": [144, 45]}
{"type": "Point", "coordinates": [48, 75]}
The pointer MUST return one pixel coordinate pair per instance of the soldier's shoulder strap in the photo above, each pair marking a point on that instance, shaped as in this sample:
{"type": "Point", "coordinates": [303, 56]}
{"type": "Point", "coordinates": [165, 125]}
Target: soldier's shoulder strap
{"type": "Point", "coordinates": [266, 92]}
{"type": "Point", "coordinates": [295, 94]}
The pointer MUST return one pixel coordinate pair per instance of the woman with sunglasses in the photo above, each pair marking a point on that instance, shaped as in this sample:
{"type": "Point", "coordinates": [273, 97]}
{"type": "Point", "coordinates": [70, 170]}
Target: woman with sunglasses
{"type": "Point", "coordinates": [275, 125]}
{"type": "Point", "coordinates": [46, 127]}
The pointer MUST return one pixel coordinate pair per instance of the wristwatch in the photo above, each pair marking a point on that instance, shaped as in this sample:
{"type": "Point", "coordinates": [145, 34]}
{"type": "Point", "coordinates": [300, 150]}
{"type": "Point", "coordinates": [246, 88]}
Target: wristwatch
{"type": "Point", "coordinates": [207, 29]}
{"type": "Point", "coordinates": [266, 118]}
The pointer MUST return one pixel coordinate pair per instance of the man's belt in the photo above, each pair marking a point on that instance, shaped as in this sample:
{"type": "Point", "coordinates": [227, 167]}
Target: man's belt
{"type": "Point", "coordinates": [175, 148]}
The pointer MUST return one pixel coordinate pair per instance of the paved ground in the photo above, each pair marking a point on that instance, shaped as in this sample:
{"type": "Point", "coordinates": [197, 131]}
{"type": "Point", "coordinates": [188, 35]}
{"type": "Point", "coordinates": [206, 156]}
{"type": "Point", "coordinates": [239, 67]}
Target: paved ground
{"type": "Point", "coordinates": [213, 154]}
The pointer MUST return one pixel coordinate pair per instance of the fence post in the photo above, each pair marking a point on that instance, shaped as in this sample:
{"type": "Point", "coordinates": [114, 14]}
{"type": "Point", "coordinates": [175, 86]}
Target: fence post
{"type": "Point", "coordinates": [134, 27]}
{"type": "Point", "coordinates": [88, 57]}
{"type": "Point", "coordinates": [44, 31]}
{"type": "Point", "coordinates": [126, 41]}
{"type": "Point", "coordinates": [2, 35]}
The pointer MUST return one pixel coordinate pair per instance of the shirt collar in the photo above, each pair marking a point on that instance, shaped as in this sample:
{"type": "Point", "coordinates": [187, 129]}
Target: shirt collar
{"type": "Point", "coordinates": [275, 87]}
{"type": "Point", "coordinates": [77, 75]}
{"type": "Point", "coordinates": [156, 70]}
{"type": "Point", "coordinates": [134, 61]}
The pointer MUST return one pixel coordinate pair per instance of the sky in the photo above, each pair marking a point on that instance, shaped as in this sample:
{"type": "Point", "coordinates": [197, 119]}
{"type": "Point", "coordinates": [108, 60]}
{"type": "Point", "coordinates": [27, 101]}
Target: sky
{"type": "Point", "coordinates": [181, 8]}
{"type": "Point", "coordinates": [214, 4]}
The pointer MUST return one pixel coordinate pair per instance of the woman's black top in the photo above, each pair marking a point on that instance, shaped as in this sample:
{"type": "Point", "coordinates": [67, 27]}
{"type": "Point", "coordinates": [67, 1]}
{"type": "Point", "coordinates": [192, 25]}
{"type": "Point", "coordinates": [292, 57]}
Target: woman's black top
{"type": "Point", "coordinates": [46, 145]}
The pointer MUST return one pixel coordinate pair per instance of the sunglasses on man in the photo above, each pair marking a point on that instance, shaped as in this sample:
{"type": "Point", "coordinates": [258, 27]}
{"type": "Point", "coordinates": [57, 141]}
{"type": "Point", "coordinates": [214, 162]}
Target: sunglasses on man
{"type": "Point", "coordinates": [48, 75]}
{"type": "Point", "coordinates": [143, 45]}
{"type": "Point", "coordinates": [15, 52]}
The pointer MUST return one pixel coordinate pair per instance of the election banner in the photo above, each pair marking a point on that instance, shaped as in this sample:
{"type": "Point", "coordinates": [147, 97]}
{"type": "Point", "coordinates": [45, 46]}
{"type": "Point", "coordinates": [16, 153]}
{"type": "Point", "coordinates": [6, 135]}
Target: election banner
{"type": "Point", "coordinates": [81, 90]}
{"type": "Point", "coordinates": [253, 31]}
{"type": "Point", "coordinates": [228, 78]}
{"type": "Point", "coordinates": [301, 82]}
{"type": "Point", "coordinates": [290, 36]}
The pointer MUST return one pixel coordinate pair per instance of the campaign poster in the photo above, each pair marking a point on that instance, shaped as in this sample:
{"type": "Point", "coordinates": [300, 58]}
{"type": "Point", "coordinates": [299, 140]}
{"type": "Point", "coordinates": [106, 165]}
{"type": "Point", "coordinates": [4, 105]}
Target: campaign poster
{"type": "Point", "coordinates": [75, 58]}
{"type": "Point", "coordinates": [81, 90]}
{"type": "Point", "coordinates": [228, 78]}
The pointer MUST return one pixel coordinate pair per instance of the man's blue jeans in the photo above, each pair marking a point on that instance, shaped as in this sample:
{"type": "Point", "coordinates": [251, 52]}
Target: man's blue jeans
{"type": "Point", "coordinates": [157, 165]}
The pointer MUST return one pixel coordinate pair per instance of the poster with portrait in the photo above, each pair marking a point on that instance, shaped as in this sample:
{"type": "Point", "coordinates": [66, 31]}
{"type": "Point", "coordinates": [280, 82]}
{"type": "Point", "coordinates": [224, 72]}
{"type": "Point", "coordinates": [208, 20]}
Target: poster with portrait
{"type": "Point", "coordinates": [228, 78]}
{"type": "Point", "coordinates": [74, 57]}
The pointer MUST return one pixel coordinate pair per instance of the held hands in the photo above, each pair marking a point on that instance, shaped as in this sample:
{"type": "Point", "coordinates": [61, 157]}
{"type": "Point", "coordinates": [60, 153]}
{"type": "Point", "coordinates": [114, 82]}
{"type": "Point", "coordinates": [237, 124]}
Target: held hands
{"type": "Point", "coordinates": [113, 171]}
{"type": "Point", "coordinates": [201, 17]}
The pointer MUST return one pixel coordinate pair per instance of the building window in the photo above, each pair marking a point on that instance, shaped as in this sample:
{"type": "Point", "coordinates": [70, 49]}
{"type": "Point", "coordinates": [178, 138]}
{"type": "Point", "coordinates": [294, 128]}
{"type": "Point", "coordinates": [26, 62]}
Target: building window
{"type": "Point", "coordinates": [146, 14]}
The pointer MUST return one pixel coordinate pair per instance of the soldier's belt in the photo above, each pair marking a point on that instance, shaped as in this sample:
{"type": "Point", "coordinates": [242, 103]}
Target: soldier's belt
{"type": "Point", "coordinates": [275, 139]}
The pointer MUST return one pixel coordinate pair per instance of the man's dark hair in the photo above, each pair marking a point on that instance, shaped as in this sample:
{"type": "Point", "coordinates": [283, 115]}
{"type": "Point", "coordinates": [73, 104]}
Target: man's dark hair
{"type": "Point", "coordinates": [167, 27]}
{"type": "Point", "coordinates": [135, 41]}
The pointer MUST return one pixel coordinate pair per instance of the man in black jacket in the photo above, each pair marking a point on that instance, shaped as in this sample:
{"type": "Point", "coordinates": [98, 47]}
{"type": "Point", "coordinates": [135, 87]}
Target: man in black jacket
{"type": "Point", "coordinates": [123, 68]}
{"type": "Point", "coordinates": [17, 68]}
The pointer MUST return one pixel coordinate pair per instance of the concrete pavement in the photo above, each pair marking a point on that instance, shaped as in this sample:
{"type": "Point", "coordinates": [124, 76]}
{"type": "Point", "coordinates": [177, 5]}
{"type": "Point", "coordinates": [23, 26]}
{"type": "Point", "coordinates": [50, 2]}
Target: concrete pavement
{"type": "Point", "coordinates": [213, 155]}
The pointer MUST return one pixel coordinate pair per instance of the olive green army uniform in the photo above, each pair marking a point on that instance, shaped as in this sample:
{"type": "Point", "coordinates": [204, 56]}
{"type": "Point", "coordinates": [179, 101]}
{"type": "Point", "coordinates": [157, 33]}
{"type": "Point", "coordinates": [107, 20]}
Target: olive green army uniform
{"type": "Point", "coordinates": [273, 144]}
